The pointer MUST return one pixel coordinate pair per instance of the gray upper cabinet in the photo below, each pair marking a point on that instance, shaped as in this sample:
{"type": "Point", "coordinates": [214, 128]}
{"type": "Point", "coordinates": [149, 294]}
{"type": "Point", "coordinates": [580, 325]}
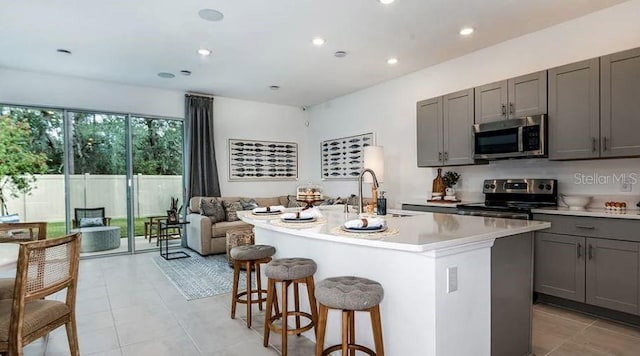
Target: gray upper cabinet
{"type": "Point", "coordinates": [574, 111]}
{"type": "Point", "coordinates": [560, 266]}
{"type": "Point", "coordinates": [429, 130]}
{"type": "Point", "coordinates": [444, 130]}
{"type": "Point", "coordinates": [620, 104]}
{"type": "Point", "coordinates": [491, 102]}
{"type": "Point", "coordinates": [508, 99]}
{"type": "Point", "coordinates": [458, 121]}
{"type": "Point", "coordinates": [613, 275]}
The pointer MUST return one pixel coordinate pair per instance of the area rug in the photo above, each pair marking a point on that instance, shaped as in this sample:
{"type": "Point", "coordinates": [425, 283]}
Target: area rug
{"type": "Point", "coordinates": [198, 276]}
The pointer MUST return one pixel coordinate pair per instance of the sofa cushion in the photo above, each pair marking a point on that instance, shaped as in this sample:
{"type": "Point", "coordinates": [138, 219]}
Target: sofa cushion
{"type": "Point", "coordinates": [248, 203]}
{"type": "Point", "coordinates": [231, 209]}
{"type": "Point", "coordinates": [220, 229]}
{"type": "Point", "coordinates": [293, 203]}
{"type": "Point", "coordinates": [212, 208]}
{"type": "Point", "coordinates": [268, 201]}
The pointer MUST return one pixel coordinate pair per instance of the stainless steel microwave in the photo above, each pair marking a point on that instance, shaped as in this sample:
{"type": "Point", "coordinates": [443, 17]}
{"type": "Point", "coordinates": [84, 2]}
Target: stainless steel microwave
{"type": "Point", "coordinates": [514, 138]}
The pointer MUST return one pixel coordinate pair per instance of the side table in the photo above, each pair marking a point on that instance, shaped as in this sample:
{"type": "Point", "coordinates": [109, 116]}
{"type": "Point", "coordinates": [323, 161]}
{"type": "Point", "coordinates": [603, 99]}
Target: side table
{"type": "Point", "coordinates": [163, 235]}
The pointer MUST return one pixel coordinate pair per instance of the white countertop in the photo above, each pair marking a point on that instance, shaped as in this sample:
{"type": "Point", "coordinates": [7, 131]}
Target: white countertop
{"type": "Point", "coordinates": [591, 212]}
{"type": "Point", "coordinates": [8, 255]}
{"type": "Point", "coordinates": [418, 232]}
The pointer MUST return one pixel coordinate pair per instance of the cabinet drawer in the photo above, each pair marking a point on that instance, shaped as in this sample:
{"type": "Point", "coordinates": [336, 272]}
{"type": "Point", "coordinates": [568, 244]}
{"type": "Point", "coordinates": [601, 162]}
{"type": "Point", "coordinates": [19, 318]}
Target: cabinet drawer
{"type": "Point", "coordinates": [614, 229]}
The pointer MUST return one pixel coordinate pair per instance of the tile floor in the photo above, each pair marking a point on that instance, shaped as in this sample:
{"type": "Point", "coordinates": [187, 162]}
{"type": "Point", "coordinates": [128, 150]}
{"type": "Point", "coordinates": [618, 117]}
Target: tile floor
{"type": "Point", "coordinates": [126, 306]}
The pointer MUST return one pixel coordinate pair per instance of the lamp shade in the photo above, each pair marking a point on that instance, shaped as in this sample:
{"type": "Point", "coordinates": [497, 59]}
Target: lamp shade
{"type": "Point", "coordinates": [374, 160]}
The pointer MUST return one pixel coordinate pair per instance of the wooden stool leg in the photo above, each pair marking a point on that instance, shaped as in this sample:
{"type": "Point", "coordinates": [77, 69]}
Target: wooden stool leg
{"type": "Point", "coordinates": [376, 324]}
{"type": "Point", "coordinates": [296, 301]}
{"type": "Point", "coordinates": [352, 331]}
{"type": "Point", "coordinates": [271, 292]}
{"type": "Point", "coordinates": [259, 283]}
{"type": "Point", "coordinates": [320, 329]}
{"type": "Point", "coordinates": [345, 332]}
{"type": "Point", "coordinates": [285, 308]}
{"type": "Point", "coordinates": [313, 305]}
{"type": "Point", "coordinates": [248, 279]}
{"type": "Point", "coordinates": [234, 292]}
{"type": "Point", "coordinates": [72, 336]}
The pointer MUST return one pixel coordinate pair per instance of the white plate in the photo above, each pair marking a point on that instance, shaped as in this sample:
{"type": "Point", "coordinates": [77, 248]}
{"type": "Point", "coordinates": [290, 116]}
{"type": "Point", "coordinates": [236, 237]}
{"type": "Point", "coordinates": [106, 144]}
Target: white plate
{"type": "Point", "coordinates": [302, 220]}
{"type": "Point", "coordinates": [268, 213]}
{"type": "Point", "coordinates": [363, 230]}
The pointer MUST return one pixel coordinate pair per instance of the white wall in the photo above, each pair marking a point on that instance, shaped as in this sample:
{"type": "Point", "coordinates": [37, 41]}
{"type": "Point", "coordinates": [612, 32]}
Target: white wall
{"type": "Point", "coordinates": [389, 108]}
{"type": "Point", "coordinates": [232, 118]}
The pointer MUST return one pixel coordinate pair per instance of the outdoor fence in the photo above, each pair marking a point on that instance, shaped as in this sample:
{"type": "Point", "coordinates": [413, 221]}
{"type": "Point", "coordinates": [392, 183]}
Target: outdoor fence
{"type": "Point", "coordinates": [151, 196]}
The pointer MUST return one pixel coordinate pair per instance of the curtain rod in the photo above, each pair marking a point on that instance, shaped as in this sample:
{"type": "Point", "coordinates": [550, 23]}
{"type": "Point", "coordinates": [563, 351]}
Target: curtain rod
{"type": "Point", "coordinates": [201, 95]}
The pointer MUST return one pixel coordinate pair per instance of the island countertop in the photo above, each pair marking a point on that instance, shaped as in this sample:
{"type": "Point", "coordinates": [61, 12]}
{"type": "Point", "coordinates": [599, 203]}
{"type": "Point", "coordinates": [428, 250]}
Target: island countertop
{"type": "Point", "coordinates": [417, 232]}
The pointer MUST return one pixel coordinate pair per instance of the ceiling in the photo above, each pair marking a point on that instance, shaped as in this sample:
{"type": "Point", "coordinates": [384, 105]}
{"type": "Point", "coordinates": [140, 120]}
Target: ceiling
{"type": "Point", "coordinates": [260, 43]}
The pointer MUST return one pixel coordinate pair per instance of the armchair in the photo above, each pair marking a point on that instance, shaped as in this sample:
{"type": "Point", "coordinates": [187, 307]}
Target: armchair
{"type": "Point", "coordinates": [81, 213]}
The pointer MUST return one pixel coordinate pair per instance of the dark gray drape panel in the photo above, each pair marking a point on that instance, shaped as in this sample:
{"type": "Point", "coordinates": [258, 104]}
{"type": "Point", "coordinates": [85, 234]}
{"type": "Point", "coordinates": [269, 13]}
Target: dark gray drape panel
{"type": "Point", "coordinates": [202, 169]}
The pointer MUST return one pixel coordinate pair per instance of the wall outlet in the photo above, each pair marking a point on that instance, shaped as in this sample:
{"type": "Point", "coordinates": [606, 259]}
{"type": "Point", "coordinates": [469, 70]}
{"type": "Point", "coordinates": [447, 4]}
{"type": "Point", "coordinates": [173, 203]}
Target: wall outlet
{"type": "Point", "coordinates": [626, 185]}
{"type": "Point", "coordinates": [452, 279]}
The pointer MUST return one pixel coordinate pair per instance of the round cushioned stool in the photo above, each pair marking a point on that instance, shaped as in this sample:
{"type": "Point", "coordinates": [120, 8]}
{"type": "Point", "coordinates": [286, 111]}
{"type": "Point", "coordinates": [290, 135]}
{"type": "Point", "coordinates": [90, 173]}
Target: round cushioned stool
{"type": "Point", "coordinates": [249, 256]}
{"type": "Point", "coordinates": [289, 271]}
{"type": "Point", "coordinates": [349, 294]}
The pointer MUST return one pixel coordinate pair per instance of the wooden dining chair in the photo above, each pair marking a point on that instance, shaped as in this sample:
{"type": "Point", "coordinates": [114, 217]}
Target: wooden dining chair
{"type": "Point", "coordinates": [19, 232]}
{"type": "Point", "coordinates": [45, 267]}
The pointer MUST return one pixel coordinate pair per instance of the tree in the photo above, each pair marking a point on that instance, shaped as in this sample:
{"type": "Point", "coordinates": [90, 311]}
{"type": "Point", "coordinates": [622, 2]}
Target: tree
{"type": "Point", "coordinates": [18, 164]}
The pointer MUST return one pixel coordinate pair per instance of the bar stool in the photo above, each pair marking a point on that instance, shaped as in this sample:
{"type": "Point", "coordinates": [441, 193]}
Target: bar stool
{"type": "Point", "coordinates": [249, 256]}
{"type": "Point", "coordinates": [289, 271]}
{"type": "Point", "coordinates": [349, 294]}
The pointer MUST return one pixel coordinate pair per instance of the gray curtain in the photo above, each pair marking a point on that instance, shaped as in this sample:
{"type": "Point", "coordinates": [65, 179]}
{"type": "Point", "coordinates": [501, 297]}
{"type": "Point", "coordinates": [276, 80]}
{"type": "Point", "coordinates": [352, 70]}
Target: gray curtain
{"type": "Point", "coordinates": [202, 170]}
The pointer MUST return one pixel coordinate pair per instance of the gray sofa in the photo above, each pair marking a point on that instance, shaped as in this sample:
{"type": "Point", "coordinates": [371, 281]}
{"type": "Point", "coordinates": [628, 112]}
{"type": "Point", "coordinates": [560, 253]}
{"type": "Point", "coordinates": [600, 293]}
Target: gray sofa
{"type": "Point", "coordinates": [208, 238]}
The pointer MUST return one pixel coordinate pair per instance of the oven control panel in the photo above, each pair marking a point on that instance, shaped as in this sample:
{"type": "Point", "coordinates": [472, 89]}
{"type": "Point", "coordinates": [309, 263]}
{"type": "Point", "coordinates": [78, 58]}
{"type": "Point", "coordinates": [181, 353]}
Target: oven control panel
{"type": "Point", "coordinates": [520, 186]}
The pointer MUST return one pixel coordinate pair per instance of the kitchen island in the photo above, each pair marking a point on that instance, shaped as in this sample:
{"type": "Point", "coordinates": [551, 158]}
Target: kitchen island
{"type": "Point", "coordinates": [437, 275]}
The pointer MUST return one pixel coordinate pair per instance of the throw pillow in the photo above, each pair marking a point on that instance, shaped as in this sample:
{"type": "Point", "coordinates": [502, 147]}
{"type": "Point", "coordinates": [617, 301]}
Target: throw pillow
{"type": "Point", "coordinates": [13, 218]}
{"type": "Point", "coordinates": [91, 222]}
{"type": "Point", "coordinates": [212, 207]}
{"type": "Point", "coordinates": [231, 209]}
{"type": "Point", "coordinates": [248, 204]}
{"type": "Point", "coordinates": [293, 203]}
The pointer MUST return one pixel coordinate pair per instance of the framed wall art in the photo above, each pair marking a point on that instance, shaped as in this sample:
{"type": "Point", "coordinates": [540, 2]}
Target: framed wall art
{"type": "Point", "coordinates": [343, 158]}
{"type": "Point", "coordinates": [251, 160]}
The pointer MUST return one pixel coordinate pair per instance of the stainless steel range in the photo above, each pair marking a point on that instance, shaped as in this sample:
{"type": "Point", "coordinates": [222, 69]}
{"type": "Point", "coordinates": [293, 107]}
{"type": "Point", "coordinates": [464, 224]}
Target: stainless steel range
{"type": "Point", "coordinates": [513, 198]}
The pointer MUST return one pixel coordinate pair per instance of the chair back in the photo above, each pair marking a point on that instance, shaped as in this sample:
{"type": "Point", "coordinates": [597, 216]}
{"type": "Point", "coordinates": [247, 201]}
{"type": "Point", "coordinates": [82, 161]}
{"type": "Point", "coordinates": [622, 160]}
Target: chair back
{"type": "Point", "coordinates": [80, 213]}
{"type": "Point", "coordinates": [20, 232]}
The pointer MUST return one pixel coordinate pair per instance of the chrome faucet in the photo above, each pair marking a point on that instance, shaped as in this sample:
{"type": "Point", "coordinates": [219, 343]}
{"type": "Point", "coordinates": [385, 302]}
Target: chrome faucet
{"type": "Point", "coordinates": [375, 185]}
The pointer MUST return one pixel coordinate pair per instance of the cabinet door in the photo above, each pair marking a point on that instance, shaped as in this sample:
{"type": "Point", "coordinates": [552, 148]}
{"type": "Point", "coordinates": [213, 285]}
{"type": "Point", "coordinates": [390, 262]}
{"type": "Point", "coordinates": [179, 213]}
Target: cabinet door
{"type": "Point", "coordinates": [528, 95]}
{"type": "Point", "coordinates": [491, 102]}
{"type": "Point", "coordinates": [458, 124]}
{"type": "Point", "coordinates": [613, 274]}
{"type": "Point", "coordinates": [429, 128]}
{"type": "Point", "coordinates": [574, 110]}
{"type": "Point", "coordinates": [620, 117]}
{"type": "Point", "coordinates": [559, 265]}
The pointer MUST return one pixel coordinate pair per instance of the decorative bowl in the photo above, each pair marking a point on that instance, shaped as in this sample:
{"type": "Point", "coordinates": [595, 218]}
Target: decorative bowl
{"type": "Point", "coordinates": [576, 202]}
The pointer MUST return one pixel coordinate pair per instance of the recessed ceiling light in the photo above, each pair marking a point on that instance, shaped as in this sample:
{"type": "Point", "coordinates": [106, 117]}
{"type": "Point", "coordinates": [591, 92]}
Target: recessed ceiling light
{"type": "Point", "coordinates": [392, 61]}
{"type": "Point", "coordinates": [210, 15]}
{"type": "Point", "coordinates": [274, 87]}
{"type": "Point", "coordinates": [185, 72]}
{"type": "Point", "coordinates": [204, 52]}
{"type": "Point", "coordinates": [340, 54]}
{"type": "Point", "coordinates": [466, 31]}
{"type": "Point", "coordinates": [318, 41]}
{"type": "Point", "coordinates": [63, 51]}
{"type": "Point", "coordinates": [166, 75]}
{"type": "Point", "coordinates": [386, 2]}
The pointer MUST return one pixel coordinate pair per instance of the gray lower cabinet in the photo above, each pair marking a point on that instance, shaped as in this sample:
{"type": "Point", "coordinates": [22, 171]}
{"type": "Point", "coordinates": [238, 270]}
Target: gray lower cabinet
{"type": "Point", "coordinates": [560, 266]}
{"type": "Point", "coordinates": [620, 104]}
{"type": "Point", "coordinates": [430, 208]}
{"type": "Point", "coordinates": [613, 274]}
{"type": "Point", "coordinates": [444, 130]}
{"type": "Point", "coordinates": [574, 111]}
{"type": "Point", "coordinates": [508, 99]}
{"type": "Point", "coordinates": [589, 260]}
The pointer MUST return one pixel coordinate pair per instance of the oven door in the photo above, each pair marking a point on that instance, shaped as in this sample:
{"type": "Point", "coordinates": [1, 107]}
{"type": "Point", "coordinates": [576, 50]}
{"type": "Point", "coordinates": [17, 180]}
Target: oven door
{"type": "Point", "coordinates": [495, 214]}
{"type": "Point", "coordinates": [502, 143]}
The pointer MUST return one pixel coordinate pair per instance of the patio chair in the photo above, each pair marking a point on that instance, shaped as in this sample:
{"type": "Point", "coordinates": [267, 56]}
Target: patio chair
{"type": "Point", "coordinates": [45, 267]}
{"type": "Point", "coordinates": [19, 232]}
{"type": "Point", "coordinates": [89, 213]}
